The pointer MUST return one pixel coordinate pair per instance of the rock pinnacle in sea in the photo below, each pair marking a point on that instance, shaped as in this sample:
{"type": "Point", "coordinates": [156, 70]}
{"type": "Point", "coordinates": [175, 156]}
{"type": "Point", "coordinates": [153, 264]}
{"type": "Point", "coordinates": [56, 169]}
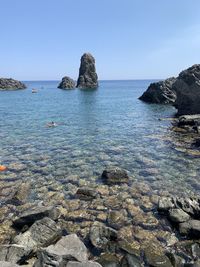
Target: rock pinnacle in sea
{"type": "Point", "coordinates": [87, 73]}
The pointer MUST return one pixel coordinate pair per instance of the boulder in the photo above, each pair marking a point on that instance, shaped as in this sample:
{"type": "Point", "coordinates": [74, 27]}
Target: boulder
{"type": "Point", "coordinates": [8, 264]}
{"type": "Point", "coordinates": [10, 84]}
{"type": "Point", "coordinates": [187, 88]}
{"type": "Point", "coordinates": [87, 73]}
{"type": "Point", "coordinates": [160, 92]}
{"type": "Point", "coordinates": [178, 216]}
{"type": "Point", "coordinates": [115, 175]}
{"type": "Point", "coordinates": [20, 195]}
{"type": "Point", "coordinates": [100, 235]}
{"type": "Point", "coordinates": [190, 228]}
{"type": "Point", "coordinates": [67, 248]}
{"type": "Point", "coordinates": [86, 193]}
{"type": "Point", "coordinates": [42, 233]}
{"type": "Point", "coordinates": [67, 83]}
{"type": "Point", "coordinates": [33, 215]}
{"type": "Point", "coordinates": [130, 261]}
{"type": "Point", "coordinates": [14, 253]}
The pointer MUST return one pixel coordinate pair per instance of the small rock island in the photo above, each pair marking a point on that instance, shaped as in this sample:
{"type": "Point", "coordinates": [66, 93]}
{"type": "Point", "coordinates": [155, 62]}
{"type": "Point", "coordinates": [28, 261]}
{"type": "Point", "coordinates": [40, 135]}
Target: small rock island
{"type": "Point", "coordinates": [87, 73]}
{"type": "Point", "coordinates": [10, 84]}
{"type": "Point", "coordinates": [67, 83]}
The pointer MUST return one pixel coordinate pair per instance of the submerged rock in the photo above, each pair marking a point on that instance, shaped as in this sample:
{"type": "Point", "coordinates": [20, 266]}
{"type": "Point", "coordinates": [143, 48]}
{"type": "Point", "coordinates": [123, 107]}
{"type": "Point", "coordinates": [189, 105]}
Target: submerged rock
{"type": "Point", "coordinates": [10, 84]}
{"type": "Point", "coordinates": [86, 193]}
{"type": "Point", "coordinates": [87, 73]}
{"type": "Point", "coordinates": [178, 215]}
{"type": "Point", "coordinates": [191, 228]}
{"type": "Point", "coordinates": [187, 87]}
{"type": "Point", "coordinates": [38, 213]}
{"type": "Point", "coordinates": [67, 83]}
{"type": "Point", "coordinates": [100, 235]}
{"type": "Point", "coordinates": [160, 92]}
{"type": "Point", "coordinates": [115, 175]}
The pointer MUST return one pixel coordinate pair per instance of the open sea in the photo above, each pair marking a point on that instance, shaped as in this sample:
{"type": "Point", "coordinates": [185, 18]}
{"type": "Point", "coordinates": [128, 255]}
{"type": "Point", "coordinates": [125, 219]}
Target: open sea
{"type": "Point", "coordinates": [107, 126]}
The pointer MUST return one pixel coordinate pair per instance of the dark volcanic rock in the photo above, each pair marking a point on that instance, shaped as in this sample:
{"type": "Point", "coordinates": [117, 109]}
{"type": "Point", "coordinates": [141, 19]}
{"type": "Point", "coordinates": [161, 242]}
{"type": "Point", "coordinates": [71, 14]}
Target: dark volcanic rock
{"type": "Point", "coordinates": [67, 248]}
{"type": "Point", "coordinates": [86, 193]}
{"type": "Point", "coordinates": [14, 253]}
{"type": "Point", "coordinates": [114, 175]}
{"type": "Point", "coordinates": [87, 73]}
{"type": "Point", "coordinates": [42, 233]}
{"type": "Point", "coordinates": [178, 215]}
{"type": "Point", "coordinates": [160, 92]}
{"type": "Point", "coordinates": [67, 83]}
{"type": "Point", "coordinates": [187, 87]}
{"type": "Point", "coordinates": [30, 216]}
{"type": "Point", "coordinates": [11, 84]}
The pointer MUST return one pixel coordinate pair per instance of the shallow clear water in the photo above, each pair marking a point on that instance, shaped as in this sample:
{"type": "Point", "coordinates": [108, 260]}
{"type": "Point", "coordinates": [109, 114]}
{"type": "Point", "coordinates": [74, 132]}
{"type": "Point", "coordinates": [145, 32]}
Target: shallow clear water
{"type": "Point", "coordinates": [96, 128]}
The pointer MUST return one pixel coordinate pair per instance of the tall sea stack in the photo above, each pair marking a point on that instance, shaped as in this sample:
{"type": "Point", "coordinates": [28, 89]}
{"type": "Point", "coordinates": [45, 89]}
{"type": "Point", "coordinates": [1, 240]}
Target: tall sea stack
{"type": "Point", "coordinates": [87, 73]}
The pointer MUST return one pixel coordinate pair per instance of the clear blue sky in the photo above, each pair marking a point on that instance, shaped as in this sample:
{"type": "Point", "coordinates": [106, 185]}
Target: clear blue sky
{"type": "Point", "coordinates": [130, 39]}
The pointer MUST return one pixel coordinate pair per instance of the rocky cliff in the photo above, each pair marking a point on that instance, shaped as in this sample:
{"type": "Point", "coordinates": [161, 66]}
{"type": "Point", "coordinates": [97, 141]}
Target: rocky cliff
{"type": "Point", "coordinates": [160, 92]}
{"type": "Point", "coordinates": [187, 87]}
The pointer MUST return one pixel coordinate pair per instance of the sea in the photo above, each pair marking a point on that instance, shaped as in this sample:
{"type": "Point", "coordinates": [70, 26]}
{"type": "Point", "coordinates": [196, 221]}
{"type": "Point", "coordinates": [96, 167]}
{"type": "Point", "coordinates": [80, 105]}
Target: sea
{"type": "Point", "coordinates": [95, 129]}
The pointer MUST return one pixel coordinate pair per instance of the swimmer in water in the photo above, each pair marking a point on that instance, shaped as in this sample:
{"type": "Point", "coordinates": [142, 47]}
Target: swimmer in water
{"type": "Point", "coordinates": [51, 124]}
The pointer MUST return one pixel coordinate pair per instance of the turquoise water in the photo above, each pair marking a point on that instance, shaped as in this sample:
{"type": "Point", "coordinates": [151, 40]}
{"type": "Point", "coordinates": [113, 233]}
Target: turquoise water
{"type": "Point", "coordinates": [96, 128]}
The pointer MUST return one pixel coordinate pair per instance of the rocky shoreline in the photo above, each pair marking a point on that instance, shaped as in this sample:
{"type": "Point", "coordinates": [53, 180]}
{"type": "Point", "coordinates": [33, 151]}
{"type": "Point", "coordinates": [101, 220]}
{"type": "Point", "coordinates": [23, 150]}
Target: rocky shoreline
{"type": "Point", "coordinates": [105, 224]}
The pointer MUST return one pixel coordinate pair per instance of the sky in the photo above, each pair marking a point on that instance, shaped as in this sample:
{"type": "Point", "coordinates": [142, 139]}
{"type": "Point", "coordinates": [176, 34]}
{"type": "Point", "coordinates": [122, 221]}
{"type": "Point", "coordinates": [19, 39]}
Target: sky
{"type": "Point", "coordinates": [130, 39]}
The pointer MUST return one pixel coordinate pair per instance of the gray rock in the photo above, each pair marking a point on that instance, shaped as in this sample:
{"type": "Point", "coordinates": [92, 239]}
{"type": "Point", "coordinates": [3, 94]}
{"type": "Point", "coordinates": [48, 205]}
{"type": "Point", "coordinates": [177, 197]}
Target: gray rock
{"type": "Point", "coordinates": [165, 204]}
{"type": "Point", "coordinates": [189, 205]}
{"type": "Point", "coordinates": [100, 235]}
{"type": "Point", "coordinates": [10, 84]}
{"type": "Point", "coordinates": [14, 253]}
{"type": "Point", "coordinates": [83, 264]}
{"type": "Point", "coordinates": [67, 83]}
{"type": "Point", "coordinates": [87, 72]}
{"type": "Point", "coordinates": [86, 193]}
{"type": "Point", "coordinates": [38, 213]}
{"type": "Point", "coordinates": [67, 248]}
{"type": "Point", "coordinates": [8, 264]}
{"type": "Point", "coordinates": [160, 92]}
{"type": "Point", "coordinates": [109, 260]}
{"type": "Point", "coordinates": [190, 228]}
{"type": "Point", "coordinates": [130, 261]}
{"type": "Point", "coordinates": [42, 233]}
{"type": "Point", "coordinates": [115, 175]}
{"type": "Point", "coordinates": [187, 87]}
{"type": "Point", "coordinates": [178, 216]}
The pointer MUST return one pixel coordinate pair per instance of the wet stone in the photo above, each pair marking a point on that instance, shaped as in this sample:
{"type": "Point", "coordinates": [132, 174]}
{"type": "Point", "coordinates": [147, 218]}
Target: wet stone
{"type": "Point", "coordinates": [108, 260]}
{"type": "Point", "coordinates": [42, 233]}
{"type": "Point", "coordinates": [117, 219]}
{"type": "Point", "coordinates": [14, 253]}
{"type": "Point", "coordinates": [67, 248]}
{"type": "Point", "coordinates": [114, 175]}
{"type": "Point", "coordinates": [191, 228]}
{"type": "Point", "coordinates": [130, 261]}
{"type": "Point", "coordinates": [155, 256]}
{"type": "Point", "coordinates": [86, 193]}
{"type": "Point", "coordinates": [100, 235]}
{"type": "Point", "coordinates": [83, 264]}
{"type": "Point", "coordinates": [178, 216]}
{"type": "Point", "coordinates": [30, 216]}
